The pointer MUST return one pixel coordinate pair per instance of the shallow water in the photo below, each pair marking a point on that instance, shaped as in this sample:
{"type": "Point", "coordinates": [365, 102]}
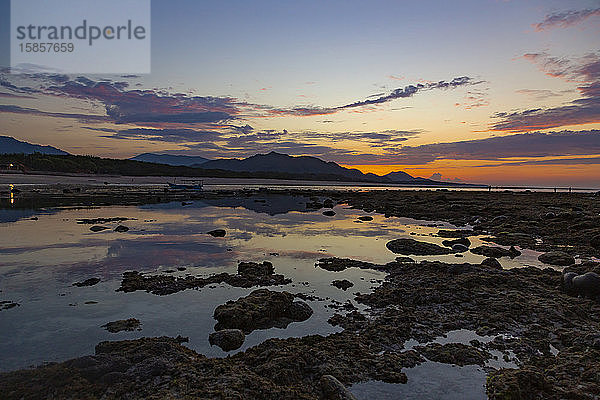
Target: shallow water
{"type": "Point", "coordinates": [41, 259]}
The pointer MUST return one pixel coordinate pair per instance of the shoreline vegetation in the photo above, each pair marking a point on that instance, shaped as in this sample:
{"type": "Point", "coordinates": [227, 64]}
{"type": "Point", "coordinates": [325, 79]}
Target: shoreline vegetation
{"type": "Point", "coordinates": [532, 313]}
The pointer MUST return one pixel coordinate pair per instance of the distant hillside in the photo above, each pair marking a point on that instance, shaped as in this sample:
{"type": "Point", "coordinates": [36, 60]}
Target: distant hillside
{"type": "Point", "coordinates": [170, 159]}
{"type": "Point", "coordinates": [283, 163]}
{"type": "Point", "coordinates": [400, 176]}
{"type": "Point", "coordinates": [9, 145]}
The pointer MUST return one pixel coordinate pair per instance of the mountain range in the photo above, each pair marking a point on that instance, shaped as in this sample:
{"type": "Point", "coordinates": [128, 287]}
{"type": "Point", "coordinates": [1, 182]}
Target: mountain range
{"type": "Point", "coordinates": [9, 145]}
{"type": "Point", "coordinates": [304, 167]}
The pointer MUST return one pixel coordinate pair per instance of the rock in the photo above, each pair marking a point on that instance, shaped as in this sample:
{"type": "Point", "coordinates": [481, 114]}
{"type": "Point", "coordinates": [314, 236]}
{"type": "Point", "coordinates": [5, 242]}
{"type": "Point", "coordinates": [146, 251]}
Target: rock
{"type": "Point", "coordinates": [495, 252]}
{"type": "Point", "coordinates": [87, 282]}
{"type": "Point", "coordinates": [557, 258]}
{"type": "Point", "coordinates": [453, 353]}
{"type": "Point", "coordinates": [463, 240]}
{"type": "Point", "coordinates": [343, 284]}
{"type": "Point", "coordinates": [567, 282]}
{"type": "Point", "coordinates": [587, 285]}
{"type": "Point", "coordinates": [329, 213]}
{"type": "Point", "coordinates": [255, 269]}
{"type": "Point", "coordinates": [492, 262]}
{"type": "Point", "coordinates": [130, 324]}
{"type": "Point", "coordinates": [404, 259]}
{"type": "Point", "coordinates": [227, 339]}
{"type": "Point", "coordinates": [328, 203]}
{"type": "Point", "coordinates": [333, 389]}
{"type": "Point", "coordinates": [121, 228]}
{"type": "Point", "coordinates": [595, 242]}
{"type": "Point", "coordinates": [261, 309]}
{"type": "Point", "coordinates": [7, 304]}
{"type": "Point", "coordinates": [411, 246]}
{"type": "Point", "coordinates": [217, 233]}
{"type": "Point", "coordinates": [366, 218]}
{"type": "Point", "coordinates": [335, 264]}
{"type": "Point", "coordinates": [98, 228]}
{"type": "Point", "coordinates": [459, 248]}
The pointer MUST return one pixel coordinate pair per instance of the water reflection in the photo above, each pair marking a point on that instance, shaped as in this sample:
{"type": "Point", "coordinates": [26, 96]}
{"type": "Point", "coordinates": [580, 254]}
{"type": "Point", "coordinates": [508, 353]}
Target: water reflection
{"type": "Point", "coordinates": [40, 259]}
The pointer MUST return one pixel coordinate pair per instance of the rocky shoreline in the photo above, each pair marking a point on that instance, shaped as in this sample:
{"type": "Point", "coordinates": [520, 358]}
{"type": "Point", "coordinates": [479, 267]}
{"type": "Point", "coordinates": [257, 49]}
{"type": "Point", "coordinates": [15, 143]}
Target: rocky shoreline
{"type": "Point", "coordinates": [534, 317]}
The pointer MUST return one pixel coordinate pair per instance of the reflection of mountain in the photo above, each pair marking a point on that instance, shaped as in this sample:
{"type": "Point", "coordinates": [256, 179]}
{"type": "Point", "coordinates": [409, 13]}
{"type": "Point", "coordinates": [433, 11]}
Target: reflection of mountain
{"type": "Point", "coordinates": [15, 214]}
{"type": "Point", "coordinates": [9, 145]}
{"type": "Point", "coordinates": [271, 204]}
{"type": "Point", "coordinates": [170, 159]}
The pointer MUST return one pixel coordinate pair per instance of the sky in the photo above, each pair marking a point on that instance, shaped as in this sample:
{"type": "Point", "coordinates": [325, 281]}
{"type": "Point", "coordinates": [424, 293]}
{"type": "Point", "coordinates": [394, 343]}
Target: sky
{"type": "Point", "coordinates": [482, 91]}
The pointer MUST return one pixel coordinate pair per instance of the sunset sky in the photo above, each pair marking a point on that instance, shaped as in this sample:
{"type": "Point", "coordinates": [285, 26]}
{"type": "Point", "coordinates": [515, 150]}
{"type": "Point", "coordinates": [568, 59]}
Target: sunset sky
{"type": "Point", "coordinates": [485, 91]}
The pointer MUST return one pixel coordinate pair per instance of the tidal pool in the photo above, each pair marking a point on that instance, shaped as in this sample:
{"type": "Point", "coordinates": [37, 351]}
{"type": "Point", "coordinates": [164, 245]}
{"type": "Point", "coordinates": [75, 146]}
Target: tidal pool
{"type": "Point", "coordinates": [43, 252]}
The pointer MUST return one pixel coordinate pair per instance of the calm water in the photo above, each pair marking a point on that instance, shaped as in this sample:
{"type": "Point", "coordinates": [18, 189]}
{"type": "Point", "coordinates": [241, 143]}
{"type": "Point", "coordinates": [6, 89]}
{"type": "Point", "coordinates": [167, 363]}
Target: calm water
{"type": "Point", "coordinates": [41, 259]}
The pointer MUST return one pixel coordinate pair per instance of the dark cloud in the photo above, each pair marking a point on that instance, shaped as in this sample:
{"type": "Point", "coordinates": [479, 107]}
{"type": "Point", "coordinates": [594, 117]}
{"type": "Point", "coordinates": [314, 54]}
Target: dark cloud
{"type": "Point", "coordinates": [566, 18]}
{"type": "Point", "coordinates": [532, 144]}
{"type": "Point", "coordinates": [584, 110]}
{"type": "Point", "coordinates": [32, 111]}
{"type": "Point", "coordinates": [410, 90]}
{"type": "Point", "coordinates": [553, 161]}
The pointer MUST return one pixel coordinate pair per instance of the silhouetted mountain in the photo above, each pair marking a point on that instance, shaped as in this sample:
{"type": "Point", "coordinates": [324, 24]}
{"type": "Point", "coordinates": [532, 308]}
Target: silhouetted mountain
{"type": "Point", "coordinates": [10, 145]}
{"type": "Point", "coordinates": [282, 163]}
{"type": "Point", "coordinates": [170, 159]}
{"type": "Point", "coordinates": [399, 176]}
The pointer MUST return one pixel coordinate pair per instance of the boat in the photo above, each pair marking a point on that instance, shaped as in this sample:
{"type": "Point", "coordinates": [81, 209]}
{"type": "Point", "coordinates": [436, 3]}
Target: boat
{"type": "Point", "coordinates": [183, 186]}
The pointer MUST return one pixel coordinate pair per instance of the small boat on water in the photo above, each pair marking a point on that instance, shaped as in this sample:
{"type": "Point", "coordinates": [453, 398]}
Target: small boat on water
{"type": "Point", "coordinates": [183, 186]}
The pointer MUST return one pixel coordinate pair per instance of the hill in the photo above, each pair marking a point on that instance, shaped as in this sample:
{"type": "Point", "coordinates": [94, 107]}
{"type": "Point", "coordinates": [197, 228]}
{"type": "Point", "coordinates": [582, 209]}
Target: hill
{"type": "Point", "coordinates": [170, 159]}
{"type": "Point", "coordinates": [10, 145]}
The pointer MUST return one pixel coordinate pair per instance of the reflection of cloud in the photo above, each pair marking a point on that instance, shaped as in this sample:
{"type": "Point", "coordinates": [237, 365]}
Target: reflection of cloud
{"type": "Point", "coordinates": [566, 18]}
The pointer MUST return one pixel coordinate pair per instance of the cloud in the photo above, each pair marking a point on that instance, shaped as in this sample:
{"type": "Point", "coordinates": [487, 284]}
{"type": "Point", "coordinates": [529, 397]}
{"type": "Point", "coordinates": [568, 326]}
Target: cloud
{"type": "Point", "coordinates": [565, 19]}
{"type": "Point", "coordinates": [32, 111]}
{"type": "Point", "coordinates": [552, 161]}
{"type": "Point", "coordinates": [410, 90]}
{"type": "Point", "coordinates": [584, 110]}
{"type": "Point", "coordinates": [532, 144]}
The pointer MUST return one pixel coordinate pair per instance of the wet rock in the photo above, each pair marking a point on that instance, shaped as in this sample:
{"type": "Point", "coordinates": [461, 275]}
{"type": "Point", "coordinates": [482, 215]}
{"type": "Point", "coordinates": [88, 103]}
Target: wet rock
{"type": "Point", "coordinates": [411, 246]}
{"type": "Point", "coordinates": [495, 252]}
{"type": "Point", "coordinates": [595, 242]}
{"type": "Point", "coordinates": [87, 282]}
{"type": "Point", "coordinates": [492, 262]}
{"type": "Point", "coordinates": [328, 203]}
{"type": "Point", "coordinates": [98, 228]}
{"type": "Point", "coordinates": [518, 384]}
{"type": "Point", "coordinates": [329, 213]}
{"type": "Point", "coordinates": [7, 304]}
{"type": "Point", "coordinates": [227, 339]}
{"type": "Point", "coordinates": [255, 269]}
{"type": "Point", "coordinates": [343, 284]}
{"type": "Point", "coordinates": [336, 264]}
{"type": "Point", "coordinates": [217, 233]}
{"type": "Point", "coordinates": [454, 353]}
{"type": "Point", "coordinates": [463, 241]}
{"type": "Point", "coordinates": [557, 258]}
{"type": "Point", "coordinates": [365, 218]}
{"type": "Point", "coordinates": [586, 285]}
{"type": "Point", "coordinates": [249, 274]}
{"type": "Point", "coordinates": [333, 389]}
{"type": "Point", "coordinates": [403, 259]}
{"type": "Point", "coordinates": [261, 309]}
{"type": "Point", "coordinates": [121, 228]}
{"type": "Point", "coordinates": [459, 248]}
{"type": "Point", "coordinates": [455, 233]}
{"type": "Point", "coordinates": [130, 324]}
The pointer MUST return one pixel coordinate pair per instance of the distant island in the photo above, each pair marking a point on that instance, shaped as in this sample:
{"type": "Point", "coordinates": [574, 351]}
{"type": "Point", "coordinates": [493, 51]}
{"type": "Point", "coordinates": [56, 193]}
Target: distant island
{"type": "Point", "coordinates": [24, 157]}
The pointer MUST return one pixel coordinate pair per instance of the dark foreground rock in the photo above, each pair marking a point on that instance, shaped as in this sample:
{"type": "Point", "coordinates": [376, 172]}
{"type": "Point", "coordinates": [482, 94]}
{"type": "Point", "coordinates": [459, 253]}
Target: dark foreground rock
{"type": "Point", "coordinates": [334, 390]}
{"type": "Point", "coordinates": [130, 324]}
{"type": "Point", "coordinates": [227, 339]}
{"type": "Point", "coordinates": [343, 284]}
{"type": "Point", "coordinates": [261, 309]}
{"type": "Point", "coordinates": [217, 233]}
{"type": "Point", "coordinates": [557, 258]}
{"type": "Point", "coordinates": [87, 282]}
{"type": "Point", "coordinates": [415, 247]}
{"type": "Point", "coordinates": [249, 274]}
{"type": "Point", "coordinates": [7, 304]}
{"type": "Point", "coordinates": [496, 252]}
